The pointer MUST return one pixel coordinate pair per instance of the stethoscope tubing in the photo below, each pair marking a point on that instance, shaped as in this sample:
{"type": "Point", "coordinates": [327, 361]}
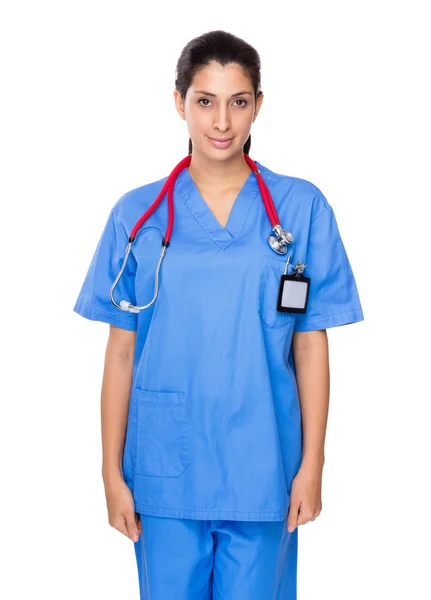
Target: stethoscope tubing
{"type": "Point", "coordinates": [169, 184]}
{"type": "Point", "coordinates": [279, 233]}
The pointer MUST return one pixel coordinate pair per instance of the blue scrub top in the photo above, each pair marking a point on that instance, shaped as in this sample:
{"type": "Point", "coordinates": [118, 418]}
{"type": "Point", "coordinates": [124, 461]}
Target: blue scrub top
{"type": "Point", "coordinates": [214, 427]}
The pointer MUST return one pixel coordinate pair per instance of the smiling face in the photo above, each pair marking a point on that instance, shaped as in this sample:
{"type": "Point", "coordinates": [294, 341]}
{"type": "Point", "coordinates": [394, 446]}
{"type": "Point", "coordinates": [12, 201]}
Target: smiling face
{"type": "Point", "coordinates": [219, 104]}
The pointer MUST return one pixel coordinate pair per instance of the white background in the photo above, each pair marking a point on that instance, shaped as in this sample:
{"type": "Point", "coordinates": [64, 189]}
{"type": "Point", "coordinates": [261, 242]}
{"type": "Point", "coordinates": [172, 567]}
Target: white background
{"type": "Point", "coordinates": [87, 114]}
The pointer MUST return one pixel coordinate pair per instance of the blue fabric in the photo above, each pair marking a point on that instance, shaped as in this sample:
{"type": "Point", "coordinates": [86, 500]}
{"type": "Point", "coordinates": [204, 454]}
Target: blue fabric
{"type": "Point", "coordinates": [94, 301]}
{"type": "Point", "coordinates": [214, 428]}
{"type": "Point", "coordinates": [216, 560]}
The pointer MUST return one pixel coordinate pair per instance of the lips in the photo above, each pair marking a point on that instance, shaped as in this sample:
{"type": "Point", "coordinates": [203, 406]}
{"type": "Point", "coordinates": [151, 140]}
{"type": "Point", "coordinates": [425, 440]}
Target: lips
{"type": "Point", "coordinates": [220, 140]}
{"type": "Point", "coordinates": [220, 144]}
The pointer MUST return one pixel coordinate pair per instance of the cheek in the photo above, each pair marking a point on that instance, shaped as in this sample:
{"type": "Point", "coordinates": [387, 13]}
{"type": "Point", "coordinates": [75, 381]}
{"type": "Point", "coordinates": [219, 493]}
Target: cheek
{"type": "Point", "coordinates": [197, 120]}
{"type": "Point", "coordinates": [245, 120]}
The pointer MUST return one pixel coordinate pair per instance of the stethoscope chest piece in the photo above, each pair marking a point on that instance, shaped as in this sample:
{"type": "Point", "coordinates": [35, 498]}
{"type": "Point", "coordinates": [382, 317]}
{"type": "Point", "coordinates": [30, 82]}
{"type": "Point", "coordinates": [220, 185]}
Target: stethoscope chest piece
{"type": "Point", "coordinates": [279, 239]}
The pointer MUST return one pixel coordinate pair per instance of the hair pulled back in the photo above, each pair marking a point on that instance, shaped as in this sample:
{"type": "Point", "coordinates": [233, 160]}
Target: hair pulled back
{"type": "Point", "coordinates": [224, 48]}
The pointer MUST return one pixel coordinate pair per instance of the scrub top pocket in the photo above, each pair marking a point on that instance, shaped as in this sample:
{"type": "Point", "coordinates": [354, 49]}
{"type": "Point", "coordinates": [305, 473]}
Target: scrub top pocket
{"type": "Point", "coordinates": [271, 269]}
{"type": "Point", "coordinates": [162, 448]}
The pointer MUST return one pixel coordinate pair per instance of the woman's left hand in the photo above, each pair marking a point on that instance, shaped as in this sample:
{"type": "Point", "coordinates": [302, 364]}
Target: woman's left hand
{"type": "Point", "coordinates": [305, 497]}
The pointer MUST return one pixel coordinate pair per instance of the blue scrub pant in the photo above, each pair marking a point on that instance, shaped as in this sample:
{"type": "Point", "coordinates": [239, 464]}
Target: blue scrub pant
{"type": "Point", "coordinates": [188, 559]}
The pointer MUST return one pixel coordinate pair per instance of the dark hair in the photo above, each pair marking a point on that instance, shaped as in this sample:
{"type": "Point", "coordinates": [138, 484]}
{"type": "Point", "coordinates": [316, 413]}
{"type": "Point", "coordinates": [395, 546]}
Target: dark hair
{"type": "Point", "coordinates": [224, 48]}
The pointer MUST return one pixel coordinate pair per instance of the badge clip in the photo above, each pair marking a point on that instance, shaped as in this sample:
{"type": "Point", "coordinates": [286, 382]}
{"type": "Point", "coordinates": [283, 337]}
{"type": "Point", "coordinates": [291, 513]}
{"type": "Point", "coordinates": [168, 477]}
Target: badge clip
{"type": "Point", "coordinates": [293, 290]}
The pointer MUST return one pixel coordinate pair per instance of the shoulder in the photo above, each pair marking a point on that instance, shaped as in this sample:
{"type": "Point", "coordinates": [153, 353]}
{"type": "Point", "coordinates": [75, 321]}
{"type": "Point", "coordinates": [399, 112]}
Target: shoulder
{"type": "Point", "coordinates": [134, 203]}
{"type": "Point", "coordinates": [303, 194]}
{"type": "Point", "coordinates": [137, 199]}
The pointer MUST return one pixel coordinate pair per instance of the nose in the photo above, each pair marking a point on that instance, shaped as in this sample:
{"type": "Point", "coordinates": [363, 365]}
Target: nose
{"type": "Point", "coordinates": [221, 119]}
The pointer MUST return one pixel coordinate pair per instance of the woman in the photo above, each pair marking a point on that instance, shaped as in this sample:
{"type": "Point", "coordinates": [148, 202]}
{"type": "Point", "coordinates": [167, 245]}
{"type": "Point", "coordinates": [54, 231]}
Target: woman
{"type": "Point", "coordinates": [214, 402]}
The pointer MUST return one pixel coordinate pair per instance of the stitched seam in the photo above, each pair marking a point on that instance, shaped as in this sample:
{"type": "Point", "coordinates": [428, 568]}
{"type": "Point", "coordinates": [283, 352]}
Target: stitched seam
{"type": "Point", "coordinates": [345, 312]}
{"type": "Point", "coordinates": [250, 204]}
{"type": "Point", "coordinates": [239, 512]}
{"type": "Point", "coordinates": [319, 215]}
{"type": "Point", "coordinates": [96, 311]}
{"type": "Point", "coordinates": [198, 222]}
{"type": "Point", "coordinates": [217, 588]}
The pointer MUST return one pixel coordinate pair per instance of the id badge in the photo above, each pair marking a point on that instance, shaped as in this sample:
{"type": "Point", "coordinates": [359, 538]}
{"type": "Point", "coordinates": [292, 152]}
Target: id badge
{"type": "Point", "coordinates": [293, 291]}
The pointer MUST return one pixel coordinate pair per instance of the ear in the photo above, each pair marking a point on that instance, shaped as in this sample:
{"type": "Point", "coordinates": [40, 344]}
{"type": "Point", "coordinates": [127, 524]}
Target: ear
{"type": "Point", "coordinates": [179, 104]}
{"type": "Point", "coordinates": [258, 105]}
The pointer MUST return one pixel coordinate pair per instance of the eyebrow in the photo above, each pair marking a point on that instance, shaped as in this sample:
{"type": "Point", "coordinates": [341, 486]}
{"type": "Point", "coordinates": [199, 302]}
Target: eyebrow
{"type": "Point", "coordinates": [215, 95]}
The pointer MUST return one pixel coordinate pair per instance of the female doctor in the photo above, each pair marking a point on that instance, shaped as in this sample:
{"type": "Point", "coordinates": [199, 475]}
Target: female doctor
{"type": "Point", "coordinates": [214, 398]}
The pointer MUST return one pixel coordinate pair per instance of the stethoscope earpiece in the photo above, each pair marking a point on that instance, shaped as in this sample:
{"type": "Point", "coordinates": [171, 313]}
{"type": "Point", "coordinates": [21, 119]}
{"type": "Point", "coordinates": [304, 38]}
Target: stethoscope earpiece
{"type": "Point", "coordinates": [125, 305]}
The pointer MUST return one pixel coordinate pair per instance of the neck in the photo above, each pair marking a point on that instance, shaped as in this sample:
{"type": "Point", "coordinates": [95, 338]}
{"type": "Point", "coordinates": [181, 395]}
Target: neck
{"type": "Point", "coordinates": [218, 173]}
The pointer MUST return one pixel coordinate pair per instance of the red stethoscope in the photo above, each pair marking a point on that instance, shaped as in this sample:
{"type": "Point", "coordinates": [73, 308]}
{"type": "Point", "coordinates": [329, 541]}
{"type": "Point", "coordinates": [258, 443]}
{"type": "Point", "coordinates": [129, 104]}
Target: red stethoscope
{"type": "Point", "coordinates": [278, 239]}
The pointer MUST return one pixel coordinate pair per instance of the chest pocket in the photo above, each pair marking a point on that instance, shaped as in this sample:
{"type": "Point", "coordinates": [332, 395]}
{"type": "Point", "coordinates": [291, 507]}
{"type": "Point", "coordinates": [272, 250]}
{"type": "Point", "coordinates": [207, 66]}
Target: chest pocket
{"type": "Point", "coordinates": [271, 269]}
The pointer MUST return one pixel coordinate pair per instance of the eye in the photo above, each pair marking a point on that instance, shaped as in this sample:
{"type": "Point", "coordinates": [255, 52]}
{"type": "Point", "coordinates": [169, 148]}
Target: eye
{"type": "Point", "coordinates": [237, 100]}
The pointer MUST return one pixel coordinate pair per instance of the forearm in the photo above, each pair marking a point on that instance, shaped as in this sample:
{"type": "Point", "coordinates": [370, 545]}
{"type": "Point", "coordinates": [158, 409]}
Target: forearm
{"type": "Point", "coordinates": [312, 371]}
{"type": "Point", "coordinates": [115, 395]}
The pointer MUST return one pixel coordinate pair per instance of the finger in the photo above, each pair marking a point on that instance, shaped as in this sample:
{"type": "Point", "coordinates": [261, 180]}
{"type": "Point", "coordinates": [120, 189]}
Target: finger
{"type": "Point", "coordinates": [305, 516]}
{"type": "Point", "coordinates": [303, 519]}
{"type": "Point", "coordinates": [132, 526]}
{"type": "Point", "coordinates": [138, 522]}
{"type": "Point", "coordinates": [120, 525]}
{"type": "Point", "coordinates": [292, 519]}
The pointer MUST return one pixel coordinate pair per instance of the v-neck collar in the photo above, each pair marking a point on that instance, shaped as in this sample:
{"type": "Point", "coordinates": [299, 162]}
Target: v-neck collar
{"type": "Point", "coordinates": [222, 236]}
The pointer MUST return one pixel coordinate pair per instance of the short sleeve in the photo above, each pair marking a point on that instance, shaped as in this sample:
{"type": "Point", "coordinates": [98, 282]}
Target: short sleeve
{"type": "Point", "coordinates": [333, 295]}
{"type": "Point", "coordinates": [93, 301]}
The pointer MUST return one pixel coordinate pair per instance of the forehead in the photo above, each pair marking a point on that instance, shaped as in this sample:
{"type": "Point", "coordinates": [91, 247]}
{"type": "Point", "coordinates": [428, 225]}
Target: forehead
{"type": "Point", "coordinates": [215, 76]}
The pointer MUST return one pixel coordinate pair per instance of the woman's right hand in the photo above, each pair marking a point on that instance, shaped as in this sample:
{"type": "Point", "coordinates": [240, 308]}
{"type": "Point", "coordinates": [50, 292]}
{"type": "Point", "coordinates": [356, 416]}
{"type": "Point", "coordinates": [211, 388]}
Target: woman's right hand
{"type": "Point", "coordinates": [121, 508]}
